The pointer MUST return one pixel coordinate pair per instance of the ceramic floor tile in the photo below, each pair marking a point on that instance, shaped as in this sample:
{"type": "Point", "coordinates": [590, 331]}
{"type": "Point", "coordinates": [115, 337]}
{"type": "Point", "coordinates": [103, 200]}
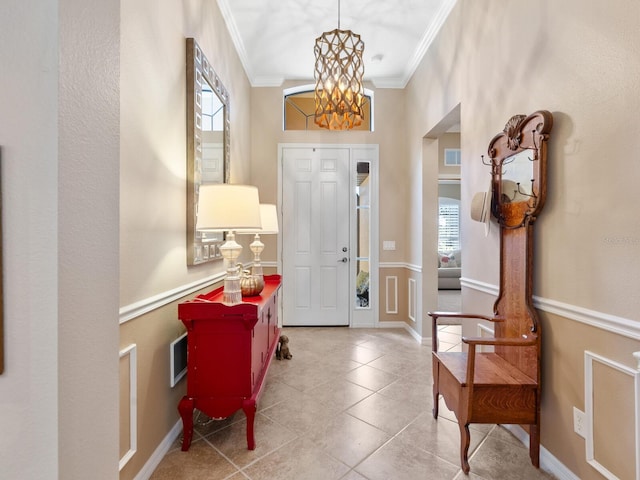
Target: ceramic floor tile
{"type": "Point", "coordinates": [451, 328]}
{"type": "Point", "coordinates": [440, 437]}
{"type": "Point", "coordinates": [398, 460]}
{"type": "Point", "coordinates": [501, 433]}
{"type": "Point", "coordinates": [295, 461]}
{"type": "Point", "coordinates": [232, 441]}
{"type": "Point", "coordinates": [410, 389]}
{"type": "Point", "coordinates": [371, 378]}
{"type": "Point", "coordinates": [340, 393]}
{"type": "Point", "coordinates": [353, 475]}
{"type": "Point", "coordinates": [303, 379]}
{"type": "Point", "coordinates": [201, 462]}
{"type": "Point", "coordinates": [499, 460]}
{"type": "Point", "coordinates": [364, 355]}
{"type": "Point", "coordinates": [448, 346]}
{"type": "Point", "coordinates": [390, 363]}
{"type": "Point", "coordinates": [301, 413]}
{"type": "Point", "coordinates": [449, 337]}
{"type": "Point", "coordinates": [274, 392]}
{"type": "Point", "coordinates": [349, 439]}
{"type": "Point", "coordinates": [238, 476]}
{"type": "Point", "coordinates": [387, 414]}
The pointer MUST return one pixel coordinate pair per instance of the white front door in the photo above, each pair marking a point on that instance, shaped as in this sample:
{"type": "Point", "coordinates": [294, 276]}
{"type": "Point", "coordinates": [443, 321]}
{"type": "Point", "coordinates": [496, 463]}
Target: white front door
{"type": "Point", "coordinates": [316, 236]}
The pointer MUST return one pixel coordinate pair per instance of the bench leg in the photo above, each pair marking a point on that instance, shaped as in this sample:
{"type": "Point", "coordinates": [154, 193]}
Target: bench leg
{"type": "Point", "coordinates": [436, 403]}
{"type": "Point", "coordinates": [436, 393]}
{"type": "Point", "coordinates": [465, 439]}
{"type": "Point", "coordinates": [534, 445]}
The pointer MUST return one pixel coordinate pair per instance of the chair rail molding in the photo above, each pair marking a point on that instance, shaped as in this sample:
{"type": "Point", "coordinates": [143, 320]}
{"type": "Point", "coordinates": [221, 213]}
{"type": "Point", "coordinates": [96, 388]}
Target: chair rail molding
{"type": "Point", "coordinates": [137, 309]}
{"type": "Point", "coordinates": [604, 321]}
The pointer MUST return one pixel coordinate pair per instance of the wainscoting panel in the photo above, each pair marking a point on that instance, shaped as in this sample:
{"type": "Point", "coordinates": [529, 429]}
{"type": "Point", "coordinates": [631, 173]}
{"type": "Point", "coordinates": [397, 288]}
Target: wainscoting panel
{"type": "Point", "coordinates": [132, 410]}
{"type": "Point", "coordinates": [619, 459]}
{"type": "Point", "coordinates": [391, 290]}
{"type": "Point", "coordinates": [412, 300]}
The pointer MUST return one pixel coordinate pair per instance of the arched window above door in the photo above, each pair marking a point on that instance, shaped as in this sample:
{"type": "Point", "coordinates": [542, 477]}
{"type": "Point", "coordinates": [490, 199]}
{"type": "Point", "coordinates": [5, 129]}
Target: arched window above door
{"type": "Point", "coordinates": [299, 108]}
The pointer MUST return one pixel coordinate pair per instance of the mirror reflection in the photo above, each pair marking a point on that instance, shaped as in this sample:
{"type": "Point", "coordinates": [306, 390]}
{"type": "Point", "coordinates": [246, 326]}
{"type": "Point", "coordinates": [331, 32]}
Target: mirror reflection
{"type": "Point", "coordinates": [212, 136]}
{"type": "Point", "coordinates": [518, 184]}
{"type": "Point", "coordinates": [207, 147]}
{"type": "Point", "coordinates": [363, 246]}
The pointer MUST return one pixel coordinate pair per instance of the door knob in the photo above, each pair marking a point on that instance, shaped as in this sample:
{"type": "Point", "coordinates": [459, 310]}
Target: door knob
{"type": "Point", "coordinates": [343, 260]}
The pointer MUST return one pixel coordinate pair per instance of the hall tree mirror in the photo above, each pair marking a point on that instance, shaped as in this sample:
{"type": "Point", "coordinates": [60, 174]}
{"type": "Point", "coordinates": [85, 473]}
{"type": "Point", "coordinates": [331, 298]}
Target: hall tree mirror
{"type": "Point", "coordinates": [207, 147]}
{"type": "Point", "coordinates": [518, 183]}
{"type": "Point", "coordinates": [519, 162]}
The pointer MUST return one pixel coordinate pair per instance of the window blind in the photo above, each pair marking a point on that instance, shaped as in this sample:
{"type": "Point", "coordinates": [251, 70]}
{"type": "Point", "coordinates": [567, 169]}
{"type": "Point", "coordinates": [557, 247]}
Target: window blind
{"type": "Point", "coordinates": [449, 227]}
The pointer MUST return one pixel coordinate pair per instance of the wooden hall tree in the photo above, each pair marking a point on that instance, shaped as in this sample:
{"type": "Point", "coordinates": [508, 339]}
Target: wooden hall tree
{"type": "Point", "coordinates": [497, 380]}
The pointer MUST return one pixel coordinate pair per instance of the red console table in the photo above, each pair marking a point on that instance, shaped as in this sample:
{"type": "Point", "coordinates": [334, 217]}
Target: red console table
{"type": "Point", "coordinates": [230, 348]}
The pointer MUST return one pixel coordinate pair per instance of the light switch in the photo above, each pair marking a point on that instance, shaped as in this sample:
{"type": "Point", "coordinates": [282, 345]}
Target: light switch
{"type": "Point", "coordinates": [389, 245]}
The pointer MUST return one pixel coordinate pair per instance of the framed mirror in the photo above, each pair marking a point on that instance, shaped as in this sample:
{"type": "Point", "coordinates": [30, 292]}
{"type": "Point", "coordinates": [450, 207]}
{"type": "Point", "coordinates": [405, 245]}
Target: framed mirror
{"type": "Point", "coordinates": [207, 147]}
{"type": "Point", "coordinates": [518, 159]}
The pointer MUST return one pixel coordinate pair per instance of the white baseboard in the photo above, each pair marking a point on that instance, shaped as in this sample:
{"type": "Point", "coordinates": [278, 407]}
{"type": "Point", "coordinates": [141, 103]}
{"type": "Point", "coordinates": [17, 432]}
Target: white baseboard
{"type": "Point", "coordinates": [418, 338]}
{"type": "Point", "coordinates": [159, 453]}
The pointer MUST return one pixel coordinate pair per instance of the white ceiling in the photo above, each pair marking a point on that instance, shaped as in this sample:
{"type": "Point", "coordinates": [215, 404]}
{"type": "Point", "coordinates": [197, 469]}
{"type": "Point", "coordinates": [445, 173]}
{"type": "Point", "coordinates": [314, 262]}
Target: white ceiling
{"type": "Point", "coordinates": [275, 38]}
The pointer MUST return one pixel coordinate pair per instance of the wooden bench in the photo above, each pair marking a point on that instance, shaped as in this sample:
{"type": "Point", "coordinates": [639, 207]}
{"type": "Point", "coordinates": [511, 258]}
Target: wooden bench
{"type": "Point", "coordinates": [484, 387]}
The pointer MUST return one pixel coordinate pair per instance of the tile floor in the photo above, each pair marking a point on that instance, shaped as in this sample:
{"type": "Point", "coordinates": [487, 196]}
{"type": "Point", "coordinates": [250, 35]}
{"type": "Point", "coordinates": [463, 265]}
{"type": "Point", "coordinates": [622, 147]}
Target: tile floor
{"type": "Point", "coordinates": [352, 404]}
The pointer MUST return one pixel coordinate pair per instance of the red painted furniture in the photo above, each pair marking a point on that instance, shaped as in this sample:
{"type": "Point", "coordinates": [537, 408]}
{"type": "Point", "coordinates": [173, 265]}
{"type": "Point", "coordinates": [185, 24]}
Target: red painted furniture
{"type": "Point", "coordinates": [230, 348]}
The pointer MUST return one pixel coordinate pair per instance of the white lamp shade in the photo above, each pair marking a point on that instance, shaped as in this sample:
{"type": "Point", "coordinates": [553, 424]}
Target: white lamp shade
{"type": "Point", "coordinates": [228, 207]}
{"type": "Point", "coordinates": [269, 218]}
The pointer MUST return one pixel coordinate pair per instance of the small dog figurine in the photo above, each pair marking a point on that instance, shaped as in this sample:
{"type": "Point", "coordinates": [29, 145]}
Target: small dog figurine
{"type": "Point", "coordinates": [282, 350]}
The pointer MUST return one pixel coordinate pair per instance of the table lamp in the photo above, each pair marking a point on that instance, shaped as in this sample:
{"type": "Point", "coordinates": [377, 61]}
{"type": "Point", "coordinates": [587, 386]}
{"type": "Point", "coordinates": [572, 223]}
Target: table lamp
{"type": "Point", "coordinates": [269, 218]}
{"type": "Point", "coordinates": [224, 207]}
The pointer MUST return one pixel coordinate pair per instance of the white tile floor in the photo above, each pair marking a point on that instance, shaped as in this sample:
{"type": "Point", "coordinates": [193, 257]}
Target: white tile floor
{"type": "Point", "coordinates": [352, 404]}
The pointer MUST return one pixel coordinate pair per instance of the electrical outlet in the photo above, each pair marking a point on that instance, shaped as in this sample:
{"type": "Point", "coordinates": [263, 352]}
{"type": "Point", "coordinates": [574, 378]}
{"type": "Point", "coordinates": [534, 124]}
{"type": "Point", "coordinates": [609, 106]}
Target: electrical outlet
{"type": "Point", "coordinates": [579, 422]}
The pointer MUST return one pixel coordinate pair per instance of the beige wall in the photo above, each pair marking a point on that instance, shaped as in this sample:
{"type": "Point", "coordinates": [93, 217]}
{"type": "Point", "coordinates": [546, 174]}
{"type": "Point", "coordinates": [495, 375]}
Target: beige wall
{"type": "Point", "coordinates": [267, 133]}
{"type": "Point", "coordinates": [578, 60]}
{"type": "Point", "coordinates": [59, 141]}
{"type": "Point", "coordinates": [448, 140]}
{"type": "Point", "coordinates": [153, 138]}
{"type": "Point", "coordinates": [153, 193]}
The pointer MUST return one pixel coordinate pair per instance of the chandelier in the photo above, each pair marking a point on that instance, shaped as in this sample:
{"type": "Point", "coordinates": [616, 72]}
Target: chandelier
{"type": "Point", "coordinates": [339, 93]}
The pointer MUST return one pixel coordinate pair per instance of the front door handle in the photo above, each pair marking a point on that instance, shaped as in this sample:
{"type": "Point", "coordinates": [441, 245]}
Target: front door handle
{"type": "Point", "coordinates": [343, 260]}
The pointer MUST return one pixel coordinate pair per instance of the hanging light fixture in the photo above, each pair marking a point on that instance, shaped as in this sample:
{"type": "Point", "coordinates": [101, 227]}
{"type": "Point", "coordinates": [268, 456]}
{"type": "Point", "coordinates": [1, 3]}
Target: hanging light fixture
{"type": "Point", "coordinates": [339, 93]}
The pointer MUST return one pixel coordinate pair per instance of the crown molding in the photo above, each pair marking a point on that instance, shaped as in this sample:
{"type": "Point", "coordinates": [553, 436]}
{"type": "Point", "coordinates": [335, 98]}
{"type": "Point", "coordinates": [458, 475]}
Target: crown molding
{"type": "Point", "coordinates": [225, 10]}
{"type": "Point", "coordinates": [426, 42]}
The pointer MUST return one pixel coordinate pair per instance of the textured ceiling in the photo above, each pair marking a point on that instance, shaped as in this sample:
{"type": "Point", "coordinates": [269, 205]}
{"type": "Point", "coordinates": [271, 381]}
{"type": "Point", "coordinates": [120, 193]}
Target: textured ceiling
{"type": "Point", "coordinates": [275, 38]}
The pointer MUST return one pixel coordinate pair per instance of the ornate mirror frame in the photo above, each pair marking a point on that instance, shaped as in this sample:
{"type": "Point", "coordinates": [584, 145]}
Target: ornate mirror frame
{"type": "Point", "coordinates": [518, 160]}
{"type": "Point", "coordinates": [208, 147]}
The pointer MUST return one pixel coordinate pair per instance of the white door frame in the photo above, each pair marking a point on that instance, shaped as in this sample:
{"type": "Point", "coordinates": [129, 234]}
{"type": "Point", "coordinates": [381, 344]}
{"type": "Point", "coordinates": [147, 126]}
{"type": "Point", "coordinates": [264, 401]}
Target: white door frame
{"type": "Point", "coordinates": [369, 317]}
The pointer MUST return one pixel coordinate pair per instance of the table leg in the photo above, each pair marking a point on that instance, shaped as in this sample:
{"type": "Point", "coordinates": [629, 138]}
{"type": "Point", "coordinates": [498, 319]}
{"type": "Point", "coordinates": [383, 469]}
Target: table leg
{"type": "Point", "coordinates": [185, 408]}
{"type": "Point", "coordinates": [249, 407]}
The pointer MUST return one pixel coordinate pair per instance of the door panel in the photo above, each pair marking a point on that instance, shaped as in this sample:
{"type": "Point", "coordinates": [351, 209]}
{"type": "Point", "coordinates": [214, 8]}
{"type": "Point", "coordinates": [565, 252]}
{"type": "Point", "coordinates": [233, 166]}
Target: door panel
{"type": "Point", "coordinates": [315, 211]}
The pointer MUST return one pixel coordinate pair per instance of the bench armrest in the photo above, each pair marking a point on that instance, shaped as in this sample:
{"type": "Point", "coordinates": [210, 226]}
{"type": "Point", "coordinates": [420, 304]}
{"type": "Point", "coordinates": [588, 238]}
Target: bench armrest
{"type": "Point", "coordinates": [436, 315]}
{"type": "Point", "coordinates": [473, 341]}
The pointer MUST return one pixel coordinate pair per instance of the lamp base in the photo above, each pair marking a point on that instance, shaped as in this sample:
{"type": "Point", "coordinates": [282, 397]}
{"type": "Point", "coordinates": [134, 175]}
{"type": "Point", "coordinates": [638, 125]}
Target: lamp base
{"type": "Point", "coordinates": [232, 293]}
